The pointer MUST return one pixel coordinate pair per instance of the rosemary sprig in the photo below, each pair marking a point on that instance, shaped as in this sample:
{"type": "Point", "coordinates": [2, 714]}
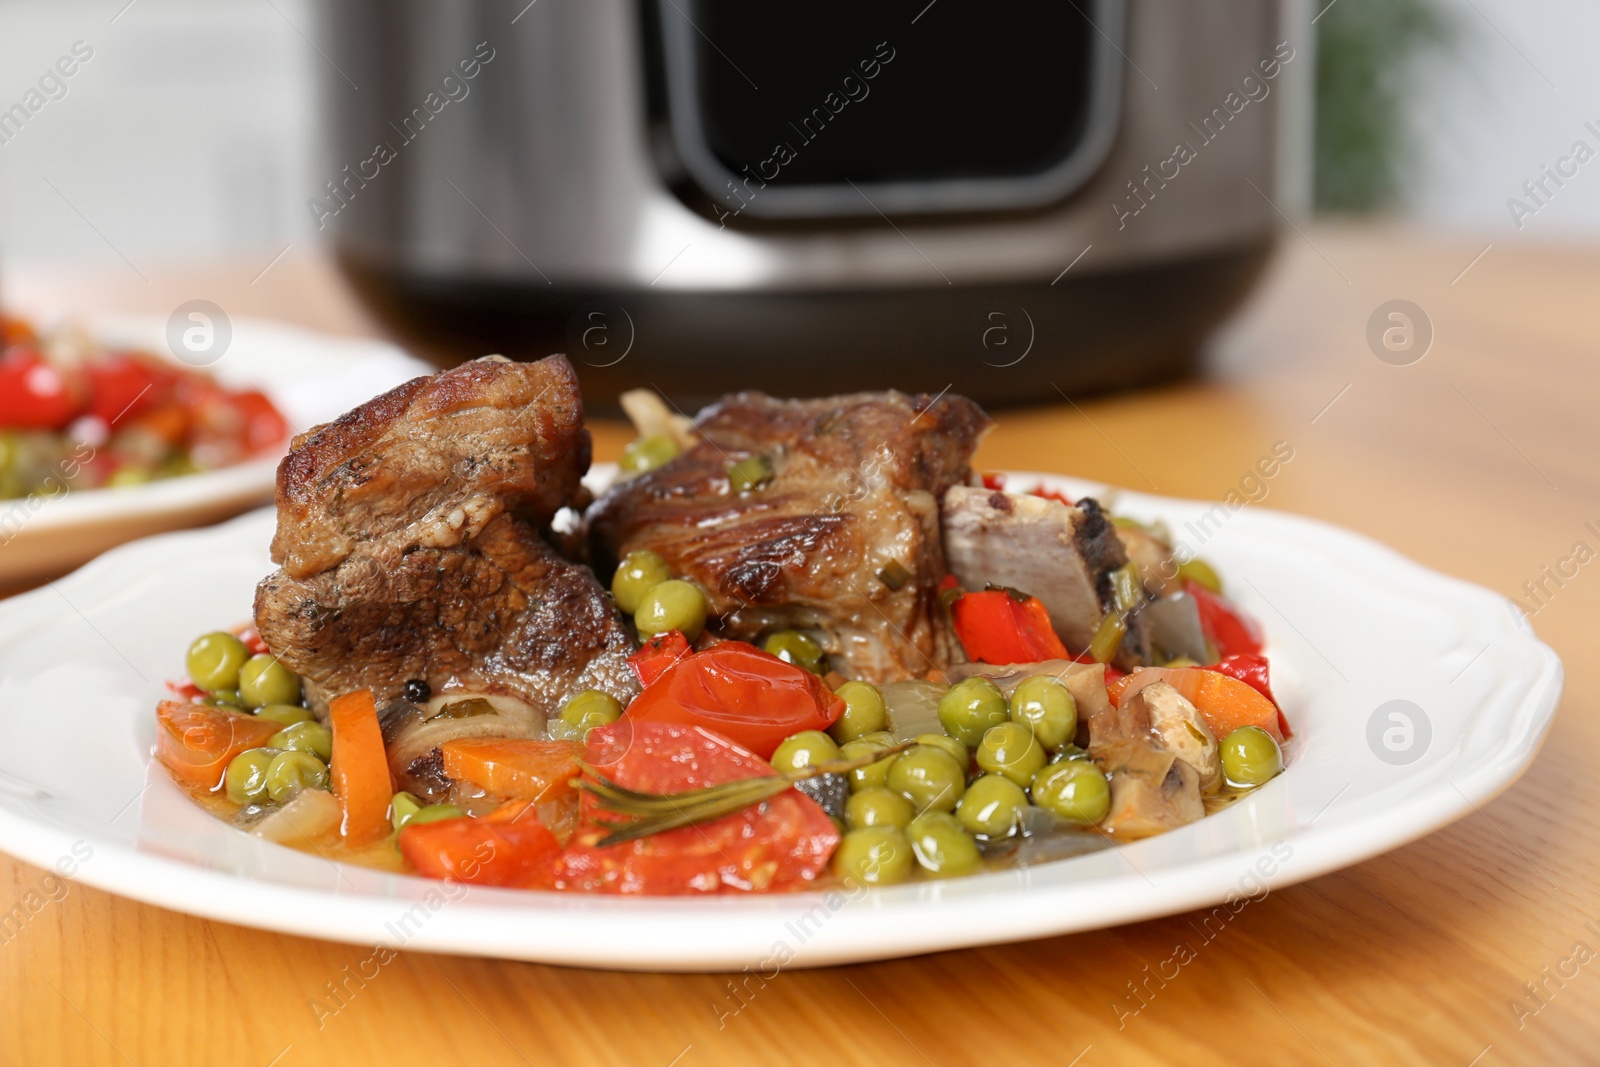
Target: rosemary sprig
{"type": "Point", "coordinates": [654, 813]}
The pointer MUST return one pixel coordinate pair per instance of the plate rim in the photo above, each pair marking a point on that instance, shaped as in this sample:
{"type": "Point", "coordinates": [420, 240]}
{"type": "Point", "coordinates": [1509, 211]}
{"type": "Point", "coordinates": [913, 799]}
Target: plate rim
{"type": "Point", "coordinates": [348, 917]}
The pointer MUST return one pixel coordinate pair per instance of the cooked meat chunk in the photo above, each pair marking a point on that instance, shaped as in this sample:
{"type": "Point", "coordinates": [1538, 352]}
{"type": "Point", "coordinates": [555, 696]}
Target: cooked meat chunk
{"type": "Point", "coordinates": [409, 552]}
{"type": "Point", "coordinates": [843, 540]}
{"type": "Point", "coordinates": [432, 462]}
{"type": "Point", "coordinates": [1062, 555]}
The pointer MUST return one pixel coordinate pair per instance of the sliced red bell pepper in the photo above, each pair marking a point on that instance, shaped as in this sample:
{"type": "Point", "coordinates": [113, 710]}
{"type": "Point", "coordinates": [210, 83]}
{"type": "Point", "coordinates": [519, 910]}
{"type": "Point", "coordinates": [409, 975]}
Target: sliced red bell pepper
{"type": "Point", "coordinates": [1225, 626]}
{"type": "Point", "coordinates": [749, 696]}
{"type": "Point", "coordinates": [508, 847]}
{"type": "Point", "coordinates": [657, 654]}
{"type": "Point", "coordinates": [996, 627]}
{"type": "Point", "coordinates": [1254, 672]}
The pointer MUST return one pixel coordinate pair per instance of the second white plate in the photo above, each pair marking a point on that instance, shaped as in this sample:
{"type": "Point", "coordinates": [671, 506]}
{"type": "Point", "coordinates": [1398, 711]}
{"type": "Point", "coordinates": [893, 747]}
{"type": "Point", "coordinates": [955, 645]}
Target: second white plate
{"type": "Point", "coordinates": [311, 377]}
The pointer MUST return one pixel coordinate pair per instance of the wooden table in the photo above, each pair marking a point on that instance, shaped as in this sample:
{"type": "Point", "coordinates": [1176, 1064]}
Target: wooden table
{"type": "Point", "coordinates": [1479, 461]}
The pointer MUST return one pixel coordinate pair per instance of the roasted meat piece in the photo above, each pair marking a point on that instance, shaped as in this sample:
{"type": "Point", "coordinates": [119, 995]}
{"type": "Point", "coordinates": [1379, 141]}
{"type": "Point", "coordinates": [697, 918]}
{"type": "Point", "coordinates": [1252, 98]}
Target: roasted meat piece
{"type": "Point", "coordinates": [1062, 554]}
{"type": "Point", "coordinates": [842, 540]}
{"type": "Point", "coordinates": [410, 544]}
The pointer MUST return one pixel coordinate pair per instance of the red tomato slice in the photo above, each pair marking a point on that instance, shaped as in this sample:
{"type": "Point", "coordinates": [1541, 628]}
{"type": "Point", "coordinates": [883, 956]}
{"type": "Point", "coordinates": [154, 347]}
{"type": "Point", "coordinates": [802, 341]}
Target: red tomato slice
{"type": "Point", "coordinates": [740, 692]}
{"type": "Point", "coordinates": [124, 385]}
{"type": "Point", "coordinates": [34, 395]}
{"type": "Point", "coordinates": [507, 848]}
{"type": "Point", "coordinates": [783, 843]}
{"type": "Point", "coordinates": [196, 742]}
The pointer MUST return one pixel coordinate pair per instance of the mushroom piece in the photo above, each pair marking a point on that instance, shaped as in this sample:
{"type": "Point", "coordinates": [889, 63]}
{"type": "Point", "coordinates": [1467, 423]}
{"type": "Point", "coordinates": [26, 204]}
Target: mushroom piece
{"type": "Point", "coordinates": [1152, 790]}
{"type": "Point", "coordinates": [1180, 728]}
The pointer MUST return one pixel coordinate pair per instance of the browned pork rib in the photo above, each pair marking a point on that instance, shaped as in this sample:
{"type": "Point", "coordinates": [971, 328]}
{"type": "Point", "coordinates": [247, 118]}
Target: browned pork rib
{"type": "Point", "coordinates": [410, 549]}
{"type": "Point", "coordinates": [843, 541]}
{"type": "Point", "coordinates": [1062, 555]}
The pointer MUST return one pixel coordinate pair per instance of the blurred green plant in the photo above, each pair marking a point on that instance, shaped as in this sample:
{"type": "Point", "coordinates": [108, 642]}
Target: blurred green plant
{"type": "Point", "coordinates": [1365, 52]}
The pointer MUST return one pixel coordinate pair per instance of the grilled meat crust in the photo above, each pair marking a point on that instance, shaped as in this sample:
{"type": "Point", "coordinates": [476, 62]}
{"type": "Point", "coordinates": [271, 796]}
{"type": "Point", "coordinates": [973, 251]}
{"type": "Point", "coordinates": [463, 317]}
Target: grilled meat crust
{"type": "Point", "coordinates": [407, 533]}
{"type": "Point", "coordinates": [500, 613]}
{"type": "Point", "coordinates": [433, 461]}
{"type": "Point", "coordinates": [844, 539]}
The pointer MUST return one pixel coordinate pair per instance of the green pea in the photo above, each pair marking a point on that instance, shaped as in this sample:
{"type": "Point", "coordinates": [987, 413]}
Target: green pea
{"type": "Point", "coordinates": [312, 737]}
{"type": "Point", "coordinates": [434, 813]}
{"type": "Point", "coordinates": [805, 749]}
{"type": "Point", "coordinates": [246, 777]}
{"type": "Point", "coordinates": [1250, 757]}
{"type": "Point", "coordinates": [929, 778]}
{"type": "Point", "coordinates": [749, 473]}
{"type": "Point", "coordinates": [1066, 752]}
{"type": "Point", "coordinates": [957, 750]}
{"type": "Point", "coordinates": [1012, 750]}
{"type": "Point", "coordinates": [971, 707]}
{"type": "Point", "coordinates": [942, 847]}
{"type": "Point", "coordinates": [673, 605]}
{"type": "Point", "coordinates": [1202, 574]}
{"type": "Point", "coordinates": [402, 808]}
{"type": "Point", "coordinates": [263, 680]}
{"type": "Point", "coordinates": [873, 774]}
{"type": "Point", "coordinates": [864, 712]}
{"type": "Point", "coordinates": [795, 647]}
{"type": "Point", "coordinates": [881, 738]}
{"type": "Point", "coordinates": [637, 574]}
{"type": "Point", "coordinates": [224, 698]}
{"type": "Point", "coordinates": [213, 661]}
{"type": "Point", "coordinates": [286, 714]}
{"type": "Point", "coordinates": [877, 806]}
{"type": "Point", "coordinates": [648, 453]}
{"type": "Point", "coordinates": [291, 772]}
{"type": "Point", "coordinates": [876, 855]}
{"type": "Point", "coordinates": [591, 708]}
{"type": "Point", "coordinates": [1046, 707]}
{"type": "Point", "coordinates": [992, 806]}
{"type": "Point", "coordinates": [1076, 790]}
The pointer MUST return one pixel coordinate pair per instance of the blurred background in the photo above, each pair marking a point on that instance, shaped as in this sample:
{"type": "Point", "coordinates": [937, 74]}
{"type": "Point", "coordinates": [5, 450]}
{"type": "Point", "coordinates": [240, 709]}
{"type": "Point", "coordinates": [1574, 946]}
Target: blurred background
{"type": "Point", "coordinates": [192, 131]}
{"type": "Point", "coordinates": [574, 204]}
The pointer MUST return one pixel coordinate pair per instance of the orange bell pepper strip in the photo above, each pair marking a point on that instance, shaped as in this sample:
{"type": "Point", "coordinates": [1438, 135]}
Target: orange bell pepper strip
{"type": "Point", "coordinates": [196, 742]}
{"type": "Point", "coordinates": [997, 627]}
{"type": "Point", "coordinates": [360, 769]}
{"type": "Point", "coordinates": [1225, 703]}
{"type": "Point", "coordinates": [520, 768]}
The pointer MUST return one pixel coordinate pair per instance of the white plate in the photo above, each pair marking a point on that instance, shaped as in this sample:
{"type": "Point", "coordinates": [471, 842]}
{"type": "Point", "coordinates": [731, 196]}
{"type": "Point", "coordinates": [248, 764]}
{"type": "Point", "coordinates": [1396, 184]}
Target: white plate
{"type": "Point", "coordinates": [311, 377]}
{"type": "Point", "coordinates": [82, 666]}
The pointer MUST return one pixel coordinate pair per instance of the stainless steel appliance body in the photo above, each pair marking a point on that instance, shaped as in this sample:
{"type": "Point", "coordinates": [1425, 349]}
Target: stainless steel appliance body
{"type": "Point", "coordinates": [686, 194]}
